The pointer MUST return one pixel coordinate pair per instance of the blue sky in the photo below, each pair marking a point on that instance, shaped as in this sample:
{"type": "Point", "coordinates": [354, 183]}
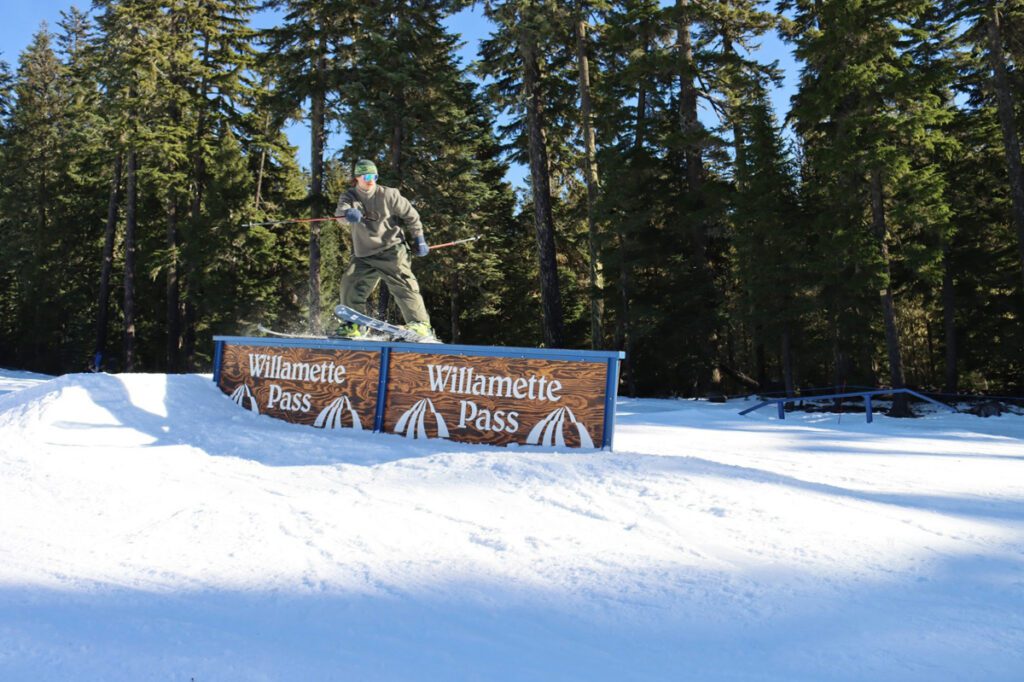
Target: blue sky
{"type": "Point", "coordinates": [22, 19]}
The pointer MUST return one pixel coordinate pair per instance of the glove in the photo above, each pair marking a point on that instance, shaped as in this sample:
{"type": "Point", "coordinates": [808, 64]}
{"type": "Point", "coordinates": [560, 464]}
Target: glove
{"type": "Point", "coordinates": [353, 215]}
{"type": "Point", "coordinates": [420, 248]}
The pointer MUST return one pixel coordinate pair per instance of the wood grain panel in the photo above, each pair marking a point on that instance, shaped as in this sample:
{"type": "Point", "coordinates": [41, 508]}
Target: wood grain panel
{"type": "Point", "coordinates": [496, 400]}
{"type": "Point", "coordinates": [300, 385]}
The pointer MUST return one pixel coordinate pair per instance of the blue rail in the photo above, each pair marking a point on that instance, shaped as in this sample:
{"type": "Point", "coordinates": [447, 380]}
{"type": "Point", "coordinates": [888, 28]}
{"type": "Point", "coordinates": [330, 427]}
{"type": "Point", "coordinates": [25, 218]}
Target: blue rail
{"type": "Point", "coordinates": [867, 396]}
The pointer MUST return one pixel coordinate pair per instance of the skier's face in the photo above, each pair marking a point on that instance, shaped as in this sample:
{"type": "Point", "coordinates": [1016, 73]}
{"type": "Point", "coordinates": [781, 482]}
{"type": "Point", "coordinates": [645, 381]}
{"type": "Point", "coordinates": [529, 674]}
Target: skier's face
{"type": "Point", "coordinates": [366, 182]}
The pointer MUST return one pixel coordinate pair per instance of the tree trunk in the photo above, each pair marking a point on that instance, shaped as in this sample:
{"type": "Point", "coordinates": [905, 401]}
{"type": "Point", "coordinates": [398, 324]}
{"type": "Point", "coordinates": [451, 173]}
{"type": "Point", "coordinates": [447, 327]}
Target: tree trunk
{"type": "Point", "coordinates": [689, 124]}
{"type": "Point", "coordinates": [107, 268]}
{"type": "Point", "coordinates": [949, 325]}
{"type": "Point", "coordinates": [397, 135]}
{"type": "Point", "coordinates": [738, 139]}
{"type": "Point", "coordinates": [129, 261]}
{"type": "Point", "coordinates": [590, 174]}
{"type": "Point", "coordinates": [185, 352]}
{"type": "Point", "coordinates": [1008, 124]}
{"type": "Point", "coordinates": [190, 335]}
{"type": "Point", "coordinates": [259, 178]}
{"type": "Point", "coordinates": [900, 408]}
{"type": "Point", "coordinates": [761, 358]}
{"type": "Point", "coordinates": [319, 131]}
{"type": "Point", "coordinates": [787, 364]}
{"type": "Point", "coordinates": [189, 314]}
{"type": "Point", "coordinates": [455, 311]}
{"type": "Point", "coordinates": [43, 235]}
{"type": "Point", "coordinates": [691, 128]}
{"type": "Point", "coordinates": [624, 325]}
{"type": "Point", "coordinates": [840, 356]}
{"type": "Point", "coordinates": [173, 297]}
{"type": "Point", "coordinates": [543, 219]}
{"type": "Point", "coordinates": [263, 161]}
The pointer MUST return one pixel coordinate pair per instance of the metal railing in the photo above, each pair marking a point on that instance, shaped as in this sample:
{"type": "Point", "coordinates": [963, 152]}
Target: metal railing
{"type": "Point", "coordinates": [867, 396]}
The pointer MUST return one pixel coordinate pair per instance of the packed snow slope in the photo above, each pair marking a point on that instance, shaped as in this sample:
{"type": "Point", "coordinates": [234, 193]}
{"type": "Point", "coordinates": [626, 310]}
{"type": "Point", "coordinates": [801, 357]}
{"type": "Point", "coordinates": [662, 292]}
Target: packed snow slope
{"type": "Point", "coordinates": [152, 530]}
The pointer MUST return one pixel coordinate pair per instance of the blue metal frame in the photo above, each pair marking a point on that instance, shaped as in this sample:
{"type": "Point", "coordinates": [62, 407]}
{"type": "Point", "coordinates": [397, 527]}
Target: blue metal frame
{"type": "Point", "coordinates": [432, 348]}
{"type": "Point", "coordinates": [868, 396]}
{"type": "Point", "coordinates": [382, 389]}
{"type": "Point", "coordinates": [611, 393]}
{"type": "Point", "coordinates": [293, 343]}
{"type": "Point", "coordinates": [386, 348]}
{"type": "Point", "coordinates": [218, 360]}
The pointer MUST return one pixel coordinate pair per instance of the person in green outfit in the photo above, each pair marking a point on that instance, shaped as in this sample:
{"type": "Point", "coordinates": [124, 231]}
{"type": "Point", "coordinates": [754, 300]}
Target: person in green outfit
{"type": "Point", "coordinates": [379, 251]}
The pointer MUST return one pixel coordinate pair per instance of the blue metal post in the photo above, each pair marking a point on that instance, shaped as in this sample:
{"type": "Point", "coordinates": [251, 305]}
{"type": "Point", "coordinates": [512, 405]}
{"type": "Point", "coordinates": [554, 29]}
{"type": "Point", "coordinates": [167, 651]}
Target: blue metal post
{"type": "Point", "coordinates": [218, 360]}
{"type": "Point", "coordinates": [382, 389]}
{"type": "Point", "coordinates": [611, 391]}
{"type": "Point", "coordinates": [782, 408]}
{"type": "Point", "coordinates": [867, 407]}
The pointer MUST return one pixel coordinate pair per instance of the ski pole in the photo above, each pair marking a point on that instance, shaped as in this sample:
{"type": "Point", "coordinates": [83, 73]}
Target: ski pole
{"type": "Point", "coordinates": [457, 241]}
{"type": "Point", "coordinates": [290, 220]}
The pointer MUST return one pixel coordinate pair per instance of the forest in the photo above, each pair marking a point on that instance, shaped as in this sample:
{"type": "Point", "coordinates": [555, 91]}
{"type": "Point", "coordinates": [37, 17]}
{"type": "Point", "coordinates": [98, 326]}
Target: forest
{"type": "Point", "coordinates": [871, 235]}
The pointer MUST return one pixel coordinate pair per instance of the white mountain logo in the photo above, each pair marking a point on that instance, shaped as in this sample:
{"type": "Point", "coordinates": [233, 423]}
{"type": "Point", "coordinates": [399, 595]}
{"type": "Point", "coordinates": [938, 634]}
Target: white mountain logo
{"type": "Point", "coordinates": [241, 394]}
{"type": "Point", "coordinates": [549, 430]}
{"type": "Point", "coordinates": [414, 422]}
{"type": "Point", "coordinates": [333, 416]}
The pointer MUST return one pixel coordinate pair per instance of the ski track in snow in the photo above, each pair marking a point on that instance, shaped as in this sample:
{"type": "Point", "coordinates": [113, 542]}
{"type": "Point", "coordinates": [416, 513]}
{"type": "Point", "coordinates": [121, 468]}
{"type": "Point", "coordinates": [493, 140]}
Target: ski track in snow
{"type": "Point", "coordinates": [151, 529]}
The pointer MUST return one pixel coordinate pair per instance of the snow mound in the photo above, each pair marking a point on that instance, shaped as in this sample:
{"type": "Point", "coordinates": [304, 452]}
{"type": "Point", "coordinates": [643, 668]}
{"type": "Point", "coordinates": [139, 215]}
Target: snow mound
{"type": "Point", "coordinates": [153, 529]}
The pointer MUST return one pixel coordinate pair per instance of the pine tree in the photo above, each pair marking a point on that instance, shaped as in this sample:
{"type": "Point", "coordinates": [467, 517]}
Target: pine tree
{"type": "Point", "coordinates": [309, 55]}
{"type": "Point", "coordinates": [84, 184]}
{"type": "Point", "coordinates": [629, 95]}
{"type": "Point", "coordinates": [5, 92]}
{"type": "Point", "coordinates": [222, 51]}
{"type": "Point", "coordinates": [667, 175]}
{"type": "Point", "coordinates": [411, 106]}
{"type": "Point", "coordinates": [988, 34]}
{"type": "Point", "coordinates": [8, 292]}
{"type": "Point", "coordinates": [515, 56]}
{"type": "Point", "coordinates": [770, 243]}
{"type": "Point", "coordinates": [28, 227]}
{"type": "Point", "coordinates": [981, 260]}
{"type": "Point", "coordinates": [591, 176]}
{"type": "Point", "coordinates": [131, 58]}
{"type": "Point", "coordinates": [981, 299]}
{"type": "Point", "coordinates": [866, 115]}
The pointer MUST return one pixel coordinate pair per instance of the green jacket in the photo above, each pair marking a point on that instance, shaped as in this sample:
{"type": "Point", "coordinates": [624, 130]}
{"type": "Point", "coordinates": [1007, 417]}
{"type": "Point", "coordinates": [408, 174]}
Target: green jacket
{"type": "Point", "coordinates": [377, 230]}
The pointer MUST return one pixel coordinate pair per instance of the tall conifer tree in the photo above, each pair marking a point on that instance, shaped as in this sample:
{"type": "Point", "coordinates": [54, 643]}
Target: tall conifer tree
{"type": "Point", "coordinates": [526, 37]}
{"type": "Point", "coordinates": [865, 113]}
{"type": "Point", "coordinates": [31, 233]}
{"type": "Point", "coordinates": [411, 106]}
{"type": "Point", "coordinates": [309, 53]}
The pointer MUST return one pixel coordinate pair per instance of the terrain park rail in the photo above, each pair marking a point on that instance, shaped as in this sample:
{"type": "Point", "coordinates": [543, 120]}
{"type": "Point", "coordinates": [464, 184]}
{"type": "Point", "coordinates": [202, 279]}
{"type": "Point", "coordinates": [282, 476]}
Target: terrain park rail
{"type": "Point", "coordinates": [867, 396]}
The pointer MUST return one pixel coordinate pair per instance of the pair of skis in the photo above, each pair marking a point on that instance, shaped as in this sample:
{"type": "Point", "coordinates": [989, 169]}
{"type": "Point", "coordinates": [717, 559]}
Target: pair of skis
{"type": "Point", "coordinates": [385, 331]}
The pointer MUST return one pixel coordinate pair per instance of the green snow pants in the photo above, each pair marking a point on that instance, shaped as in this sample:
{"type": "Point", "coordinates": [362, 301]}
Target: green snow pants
{"type": "Point", "coordinates": [394, 266]}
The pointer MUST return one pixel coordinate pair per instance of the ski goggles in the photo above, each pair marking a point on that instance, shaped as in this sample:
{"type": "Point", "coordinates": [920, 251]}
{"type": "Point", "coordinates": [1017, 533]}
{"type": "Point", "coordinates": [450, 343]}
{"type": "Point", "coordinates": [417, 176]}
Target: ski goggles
{"type": "Point", "coordinates": [369, 177]}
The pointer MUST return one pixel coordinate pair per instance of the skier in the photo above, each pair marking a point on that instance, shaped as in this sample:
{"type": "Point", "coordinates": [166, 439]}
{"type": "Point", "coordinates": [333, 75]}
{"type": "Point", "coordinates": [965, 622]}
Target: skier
{"type": "Point", "coordinates": [379, 251]}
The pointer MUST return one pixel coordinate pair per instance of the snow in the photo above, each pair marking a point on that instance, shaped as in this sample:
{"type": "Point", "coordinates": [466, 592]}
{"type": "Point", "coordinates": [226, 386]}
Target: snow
{"type": "Point", "coordinates": [14, 380]}
{"type": "Point", "coordinates": [151, 529]}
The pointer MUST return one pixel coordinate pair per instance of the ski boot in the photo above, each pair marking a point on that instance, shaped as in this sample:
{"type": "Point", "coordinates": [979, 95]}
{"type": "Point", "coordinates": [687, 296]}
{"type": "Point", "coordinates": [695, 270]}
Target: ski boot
{"type": "Point", "coordinates": [348, 330]}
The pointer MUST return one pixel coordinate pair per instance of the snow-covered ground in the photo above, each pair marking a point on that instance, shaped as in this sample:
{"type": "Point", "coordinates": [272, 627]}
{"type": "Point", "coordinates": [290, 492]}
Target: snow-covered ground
{"type": "Point", "coordinates": [152, 530]}
{"type": "Point", "coordinates": [14, 380]}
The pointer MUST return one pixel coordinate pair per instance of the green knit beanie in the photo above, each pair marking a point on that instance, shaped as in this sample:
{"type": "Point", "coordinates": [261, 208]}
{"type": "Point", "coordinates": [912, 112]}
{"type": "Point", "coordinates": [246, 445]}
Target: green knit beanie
{"type": "Point", "coordinates": [365, 166]}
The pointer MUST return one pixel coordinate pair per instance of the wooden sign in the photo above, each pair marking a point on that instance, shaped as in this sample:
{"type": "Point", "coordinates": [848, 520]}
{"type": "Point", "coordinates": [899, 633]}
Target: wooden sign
{"type": "Point", "coordinates": [474, 394]}
{"type": "Point", "coordinates": [326, 388]}
{"type": "Point", "coordinates": [496, 400]}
